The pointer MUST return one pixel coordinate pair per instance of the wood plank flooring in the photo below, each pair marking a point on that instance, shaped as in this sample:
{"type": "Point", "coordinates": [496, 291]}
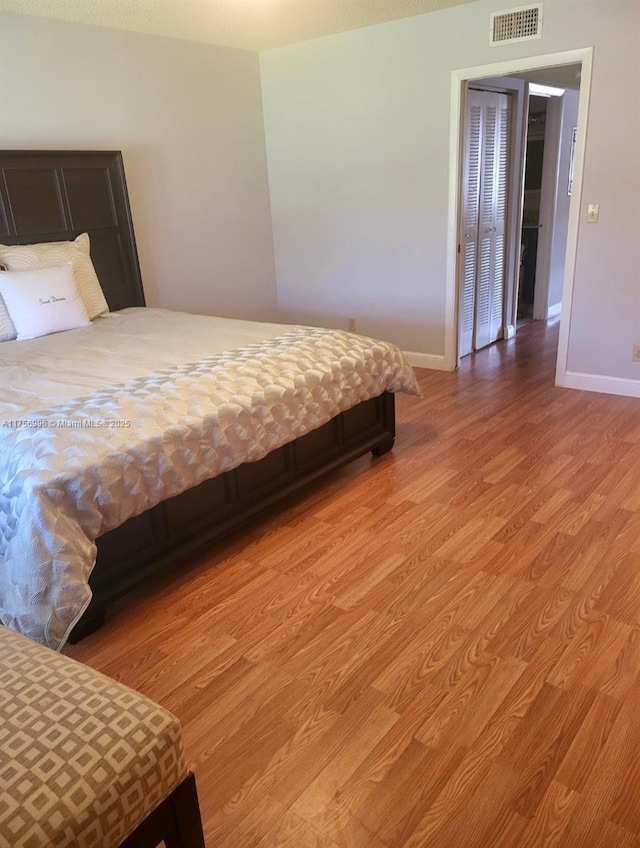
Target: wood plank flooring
{"type": "Point", "coordinates": [439, 648]}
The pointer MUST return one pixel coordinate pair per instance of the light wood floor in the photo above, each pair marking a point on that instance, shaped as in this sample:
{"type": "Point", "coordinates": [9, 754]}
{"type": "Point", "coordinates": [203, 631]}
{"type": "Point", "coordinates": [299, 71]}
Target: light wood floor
{"type": "Point", "coordinates": [436, 649]}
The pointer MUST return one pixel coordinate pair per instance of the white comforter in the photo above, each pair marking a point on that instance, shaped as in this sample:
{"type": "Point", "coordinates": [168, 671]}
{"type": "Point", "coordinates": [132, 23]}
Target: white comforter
{"type": "Point", "coordinates": [102, 423]}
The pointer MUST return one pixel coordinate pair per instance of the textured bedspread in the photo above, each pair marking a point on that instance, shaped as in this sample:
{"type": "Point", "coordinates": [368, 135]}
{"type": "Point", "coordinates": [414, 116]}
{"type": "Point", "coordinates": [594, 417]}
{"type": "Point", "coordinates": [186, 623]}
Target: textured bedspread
{"type": "Point", "coordinates": [73, 470]}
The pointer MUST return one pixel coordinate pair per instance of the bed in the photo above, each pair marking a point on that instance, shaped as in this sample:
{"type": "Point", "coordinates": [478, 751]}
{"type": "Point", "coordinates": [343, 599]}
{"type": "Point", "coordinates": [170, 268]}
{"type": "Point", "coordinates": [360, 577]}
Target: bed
{"type": "Point", "coordinates": [124, 444]}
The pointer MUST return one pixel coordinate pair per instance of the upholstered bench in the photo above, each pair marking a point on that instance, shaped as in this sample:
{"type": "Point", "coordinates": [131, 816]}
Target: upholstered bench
{"type": "Point", "coordinates": [86, 762]}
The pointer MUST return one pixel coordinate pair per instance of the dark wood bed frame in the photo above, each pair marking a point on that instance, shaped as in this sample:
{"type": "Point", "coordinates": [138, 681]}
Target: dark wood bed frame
{"type": "Point", "coordinates": [55, 196]}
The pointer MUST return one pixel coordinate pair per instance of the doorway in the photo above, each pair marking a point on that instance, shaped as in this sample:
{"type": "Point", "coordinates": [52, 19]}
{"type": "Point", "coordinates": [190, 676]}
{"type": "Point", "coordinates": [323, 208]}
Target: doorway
{"type": "Point", "coordinates": [518, 276]}
{"type": "Point", "coordinates": [534, 157]}
{"type": "Point", "coordinates": [520, 69]}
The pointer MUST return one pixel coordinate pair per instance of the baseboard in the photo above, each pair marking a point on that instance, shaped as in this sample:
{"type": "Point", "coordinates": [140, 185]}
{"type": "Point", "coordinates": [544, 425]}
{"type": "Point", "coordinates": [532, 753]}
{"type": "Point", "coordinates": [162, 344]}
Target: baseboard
{"type": "Point", "coordinates": [554, 309]}
{"type": "Point", "coordinates": [427, 360]}
{"type": "Point", "coordinates": [598, 383]}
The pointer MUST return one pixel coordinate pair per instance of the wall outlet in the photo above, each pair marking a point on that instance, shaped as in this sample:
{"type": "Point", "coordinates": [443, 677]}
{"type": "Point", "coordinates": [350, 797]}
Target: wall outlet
{"type": "Point", "coordinates": [636, 353]}
{"type": "Point", "coordinates": [351, 325]}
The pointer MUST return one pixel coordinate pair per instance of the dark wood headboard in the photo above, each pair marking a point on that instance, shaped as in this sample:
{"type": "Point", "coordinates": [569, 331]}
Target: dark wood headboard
{"type": "Point", "coordinates": [54, 195]}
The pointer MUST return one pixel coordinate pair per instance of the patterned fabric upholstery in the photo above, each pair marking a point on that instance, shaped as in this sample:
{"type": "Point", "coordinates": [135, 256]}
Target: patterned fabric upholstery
{"type": "Point", "coordinates": [83, 759]}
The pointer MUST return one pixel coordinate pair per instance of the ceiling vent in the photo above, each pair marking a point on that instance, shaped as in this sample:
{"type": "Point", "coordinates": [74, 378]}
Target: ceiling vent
{"type": "Point", "coordinates": [522, 24]}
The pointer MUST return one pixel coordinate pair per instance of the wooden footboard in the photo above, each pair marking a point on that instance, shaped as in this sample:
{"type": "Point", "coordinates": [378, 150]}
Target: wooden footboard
{"type": "Point", "coordinates": [175, 528]}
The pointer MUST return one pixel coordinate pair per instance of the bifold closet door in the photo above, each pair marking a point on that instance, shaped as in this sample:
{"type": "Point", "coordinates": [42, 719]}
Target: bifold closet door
{"type": "Point", "coordinates": [484, 212]}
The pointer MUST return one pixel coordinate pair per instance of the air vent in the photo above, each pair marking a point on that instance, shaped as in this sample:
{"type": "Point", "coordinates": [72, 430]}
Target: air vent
{"type": "Point", "coordinates": [523, 24]}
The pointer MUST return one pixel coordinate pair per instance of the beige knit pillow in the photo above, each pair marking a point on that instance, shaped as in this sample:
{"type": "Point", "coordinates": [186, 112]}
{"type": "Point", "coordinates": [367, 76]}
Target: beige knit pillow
{"type": "Point", "coordinates": [26, 257]}
{"type": "Point", "coordinates": [7, 330]}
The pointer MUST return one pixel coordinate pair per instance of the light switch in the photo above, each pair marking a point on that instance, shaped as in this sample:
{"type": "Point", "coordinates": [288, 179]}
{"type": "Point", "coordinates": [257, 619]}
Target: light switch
{"type": "Point", "coordinates": [593, 211]}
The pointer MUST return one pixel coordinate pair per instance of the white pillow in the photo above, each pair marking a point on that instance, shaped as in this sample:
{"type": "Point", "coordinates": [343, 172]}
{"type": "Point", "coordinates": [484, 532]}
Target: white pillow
{"type": "Point", "coordinates": [43, 301]}
{"type": "Point", "coordinates": [25, 257]}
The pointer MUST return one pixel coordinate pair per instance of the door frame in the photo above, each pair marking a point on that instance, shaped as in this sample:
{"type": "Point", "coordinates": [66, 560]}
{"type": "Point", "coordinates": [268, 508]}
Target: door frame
{"type": "Point", "coordinates": [548, 197]}
{"type": "Point", "coordinates": [459, 78]}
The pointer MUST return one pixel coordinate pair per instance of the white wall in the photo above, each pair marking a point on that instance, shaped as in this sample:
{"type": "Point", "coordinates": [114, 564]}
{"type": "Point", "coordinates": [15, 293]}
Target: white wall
{"type": "Point", "coordinates": [357, 130]}
{"type": "Point", "coordinates": [188, 118]}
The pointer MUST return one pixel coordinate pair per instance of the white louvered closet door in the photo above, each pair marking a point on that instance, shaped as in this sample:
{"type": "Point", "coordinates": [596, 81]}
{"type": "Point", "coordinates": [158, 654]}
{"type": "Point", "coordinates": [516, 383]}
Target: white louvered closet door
{"type": "Point", "coordinates": [484, 218]}
{"type": "Point", "coordinates": [470, 213]}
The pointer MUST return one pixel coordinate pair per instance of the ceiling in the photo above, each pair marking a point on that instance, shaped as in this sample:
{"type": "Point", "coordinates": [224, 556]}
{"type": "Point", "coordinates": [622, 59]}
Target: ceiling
{"type": "Point", "coordinates": [249, 24]}
{"type": "Point", "coordinates": [562, 76]}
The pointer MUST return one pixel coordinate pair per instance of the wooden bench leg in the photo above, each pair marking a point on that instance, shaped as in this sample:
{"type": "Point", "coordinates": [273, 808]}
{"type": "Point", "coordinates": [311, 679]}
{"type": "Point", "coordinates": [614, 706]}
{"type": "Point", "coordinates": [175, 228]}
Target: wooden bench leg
{"type": "Point", "coordinates": [186, 814]}
{"type": "Point", "coordinates": [176, 821]}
